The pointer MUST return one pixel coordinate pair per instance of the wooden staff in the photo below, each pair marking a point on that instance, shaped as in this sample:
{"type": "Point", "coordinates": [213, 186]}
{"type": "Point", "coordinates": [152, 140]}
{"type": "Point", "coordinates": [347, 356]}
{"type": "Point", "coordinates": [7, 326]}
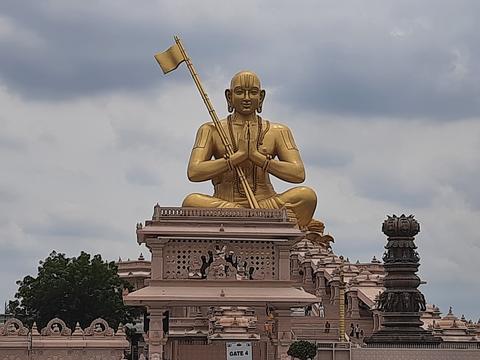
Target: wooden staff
{"type": "Point", "coordinates": [252, 201]}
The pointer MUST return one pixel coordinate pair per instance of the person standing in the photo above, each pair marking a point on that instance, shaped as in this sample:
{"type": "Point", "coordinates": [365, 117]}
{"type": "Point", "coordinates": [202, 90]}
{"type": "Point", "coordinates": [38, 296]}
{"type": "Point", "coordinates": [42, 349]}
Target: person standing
{"type": "Point", "coordinates": [321, 310]}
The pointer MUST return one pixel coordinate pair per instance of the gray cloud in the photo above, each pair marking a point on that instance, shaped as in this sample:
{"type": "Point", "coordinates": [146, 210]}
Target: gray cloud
{"type": "Point", "coordinates": [396, 59]}
{"type": "Point", "coordinates": [143, 176]}
{"type": "Point", "coordinates": [387, 188]}
{"type": "Point", "coordinates": [59, 226]}
{"type": "Point", "coordinates": [8, 194]}
{"type": "Point", "coordinates": [318, 155]}
{"type": "Point", "coordinates": [12, 143]}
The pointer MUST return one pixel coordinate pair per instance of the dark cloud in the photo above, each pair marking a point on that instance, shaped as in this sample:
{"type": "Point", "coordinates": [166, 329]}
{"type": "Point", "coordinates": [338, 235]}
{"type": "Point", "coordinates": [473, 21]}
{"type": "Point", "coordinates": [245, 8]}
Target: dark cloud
{"type": "Point", "coordinates": [400, 60]}
{"type": "Point", "coordinates": [385, 187]}
{"type": "Point", "coordinates": [384, 83]}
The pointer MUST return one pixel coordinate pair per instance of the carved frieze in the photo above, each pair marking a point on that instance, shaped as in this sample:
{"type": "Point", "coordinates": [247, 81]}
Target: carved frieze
{"type": "Point", "coordinates": [210, 259]}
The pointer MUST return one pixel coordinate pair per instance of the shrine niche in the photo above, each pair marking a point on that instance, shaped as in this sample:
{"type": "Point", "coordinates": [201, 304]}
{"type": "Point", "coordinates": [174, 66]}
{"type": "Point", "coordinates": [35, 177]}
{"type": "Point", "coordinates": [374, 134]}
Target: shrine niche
{"type": "Point", "coordinates": [99, 327]}
{"type": "Point", "coordinates": [13, 327]}
{"type": "Point", "coordinates": [56, 327]}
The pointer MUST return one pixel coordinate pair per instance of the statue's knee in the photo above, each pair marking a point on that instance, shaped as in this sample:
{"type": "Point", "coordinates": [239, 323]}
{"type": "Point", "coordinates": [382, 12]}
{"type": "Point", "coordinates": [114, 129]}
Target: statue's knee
{"type": "Point", "coordinates": [307, 194]}
{"type": "Point", "coordinates": [193, 200]}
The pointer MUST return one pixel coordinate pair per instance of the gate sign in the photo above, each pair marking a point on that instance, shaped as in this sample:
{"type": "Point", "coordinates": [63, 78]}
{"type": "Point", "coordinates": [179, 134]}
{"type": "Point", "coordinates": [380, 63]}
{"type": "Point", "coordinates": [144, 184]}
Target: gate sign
{"type": "Point", "coordinates": [239, 351]}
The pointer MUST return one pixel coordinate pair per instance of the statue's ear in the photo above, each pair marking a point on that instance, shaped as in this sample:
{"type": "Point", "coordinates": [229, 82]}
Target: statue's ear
{"type": "Point", "coordinates": [262, 97]}
{"type": "Point", "coordinates": [228, 96]}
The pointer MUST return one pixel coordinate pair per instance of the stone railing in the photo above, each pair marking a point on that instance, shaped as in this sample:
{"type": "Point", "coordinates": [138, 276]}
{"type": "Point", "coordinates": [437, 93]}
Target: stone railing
{"type": "Point", "coordinates": [57, 341]}
{"type": "Point", "coordinates": [444, 345]}
{"type": "Point", "coordinates": [171, 213]}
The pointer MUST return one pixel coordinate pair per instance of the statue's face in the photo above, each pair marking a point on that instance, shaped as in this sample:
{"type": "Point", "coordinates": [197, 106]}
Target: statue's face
{"type": "Point", "coordinates": [245, 94]}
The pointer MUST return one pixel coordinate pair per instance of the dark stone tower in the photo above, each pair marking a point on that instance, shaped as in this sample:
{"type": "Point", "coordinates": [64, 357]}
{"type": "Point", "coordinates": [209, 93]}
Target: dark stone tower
{"type": "Point", "coordinates": [401, 302]}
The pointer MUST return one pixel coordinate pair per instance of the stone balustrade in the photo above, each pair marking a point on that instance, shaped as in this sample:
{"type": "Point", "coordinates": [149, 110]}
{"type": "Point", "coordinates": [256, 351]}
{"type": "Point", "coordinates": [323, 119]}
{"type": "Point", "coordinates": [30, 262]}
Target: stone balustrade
{"type": "Point", "coordinates": [57, 341]}
{"type": "Point", "coordinates": [276, 215]}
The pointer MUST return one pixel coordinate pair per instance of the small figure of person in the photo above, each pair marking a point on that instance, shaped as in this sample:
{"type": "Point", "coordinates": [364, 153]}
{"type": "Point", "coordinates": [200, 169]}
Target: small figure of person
{"type": "Point", "coordinates": [321, 310]}
{"type": "Point", "coordinates": [357, 331]}
{"type": "Point", "coordinates": [308, 310]}
{"type": "Point", "coordinates": [327, 327]}
{"type": "Point", "coordinates": [352, 331]}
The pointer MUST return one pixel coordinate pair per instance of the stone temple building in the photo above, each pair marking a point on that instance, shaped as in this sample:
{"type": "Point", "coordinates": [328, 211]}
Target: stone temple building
{"type": "Point", "coordinates": [202, 317]}
{"type": "Point", "coordinates": [250, 268]}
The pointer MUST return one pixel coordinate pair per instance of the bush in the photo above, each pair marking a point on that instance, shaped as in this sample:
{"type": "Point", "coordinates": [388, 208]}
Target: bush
{"type": "Point", "coordinates": [302, 350]}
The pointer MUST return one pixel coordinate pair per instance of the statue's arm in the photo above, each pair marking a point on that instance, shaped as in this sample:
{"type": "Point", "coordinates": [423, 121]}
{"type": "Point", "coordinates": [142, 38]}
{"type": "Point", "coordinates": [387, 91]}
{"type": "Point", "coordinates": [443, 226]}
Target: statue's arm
{"type": "Point", "coordinates": [288, 165]}
{"type": "Point", "coordinates": [201, 166]}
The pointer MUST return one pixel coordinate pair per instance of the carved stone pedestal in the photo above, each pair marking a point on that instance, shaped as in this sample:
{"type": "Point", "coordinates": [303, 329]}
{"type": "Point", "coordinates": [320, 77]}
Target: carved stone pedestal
{"type": "Point", "coordinates": [235, 262]}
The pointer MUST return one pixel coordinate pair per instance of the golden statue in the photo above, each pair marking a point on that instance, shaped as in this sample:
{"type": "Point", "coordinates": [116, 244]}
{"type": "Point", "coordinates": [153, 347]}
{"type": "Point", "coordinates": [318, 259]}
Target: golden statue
{"type": "Point", "coordinates": [239, 153]}
{"type": "Point", "coordinates": [260, 148]}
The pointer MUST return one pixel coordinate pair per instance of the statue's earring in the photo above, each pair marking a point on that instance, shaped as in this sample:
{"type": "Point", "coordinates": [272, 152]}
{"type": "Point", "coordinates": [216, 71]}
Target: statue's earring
{"type": "Point", "coordinates": [229, 102]}
{"type": "Point", "coordinates": [260, 103]}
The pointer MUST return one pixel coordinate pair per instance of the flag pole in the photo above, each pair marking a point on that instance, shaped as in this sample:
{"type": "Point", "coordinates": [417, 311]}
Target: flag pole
{"type": "Point", "coordinates": [252, 201]}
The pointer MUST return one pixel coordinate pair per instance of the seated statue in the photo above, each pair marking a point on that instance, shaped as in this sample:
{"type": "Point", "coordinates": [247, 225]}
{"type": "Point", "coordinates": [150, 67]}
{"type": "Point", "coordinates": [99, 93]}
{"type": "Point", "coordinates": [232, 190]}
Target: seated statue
{"type": "Point", "coordinates": [260, 148]}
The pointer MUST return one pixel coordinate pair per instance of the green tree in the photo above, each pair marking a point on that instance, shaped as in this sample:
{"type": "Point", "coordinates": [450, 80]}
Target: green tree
{"type": "Point", "coordinates": [302, 350]}
{"type": "Point", "coordinates": [74, 289]}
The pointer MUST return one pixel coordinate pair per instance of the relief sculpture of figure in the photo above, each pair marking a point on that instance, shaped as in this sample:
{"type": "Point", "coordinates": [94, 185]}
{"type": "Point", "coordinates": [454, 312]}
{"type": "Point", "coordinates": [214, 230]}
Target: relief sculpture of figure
{"type": "Point", "coordinates": [261, 148]}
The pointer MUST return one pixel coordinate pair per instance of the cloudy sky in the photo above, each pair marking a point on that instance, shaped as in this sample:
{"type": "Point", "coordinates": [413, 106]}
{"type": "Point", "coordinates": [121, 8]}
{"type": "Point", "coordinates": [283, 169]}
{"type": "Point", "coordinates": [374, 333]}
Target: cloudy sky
{"type": "Point", "coordinates": [383, 98]}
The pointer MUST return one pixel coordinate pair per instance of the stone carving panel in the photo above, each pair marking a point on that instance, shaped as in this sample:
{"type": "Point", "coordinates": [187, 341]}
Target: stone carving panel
{"type": "Point", "coordinates": [210, 259]}
{"type": "Point", "coordinates": [13, 327]}
{"type": "Point", "coordinates": [99, 327]}
{"type": "Point", "coordinates": [56, 327]}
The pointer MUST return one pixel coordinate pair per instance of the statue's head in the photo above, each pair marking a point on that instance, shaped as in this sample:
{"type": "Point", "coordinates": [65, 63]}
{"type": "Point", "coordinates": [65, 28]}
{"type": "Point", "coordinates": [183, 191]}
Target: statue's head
{"type": "Point", "coordinates": [245, 95]}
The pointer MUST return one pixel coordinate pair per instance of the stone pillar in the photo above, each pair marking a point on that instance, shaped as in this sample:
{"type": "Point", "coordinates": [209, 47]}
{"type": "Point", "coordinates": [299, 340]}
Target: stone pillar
{"type": "Point", "coordinates": [307, 273]}
{"type": "Point", "coordinates": [401, 302]}
{"type": "Point", "coordinates": [156, 338]}
{"type": "Point", "coordinates": [283, 329]}
{"type": "Point", "coordinates": [334, 291]}
{"type": "Point", "coordinates": [284, 262]}
{"type": "Point", "coordinates": [294, 264]}
{"type": "Point", "coordinates": [320, 288]}
{"type": "Point", "coordinates": [348, 309]}
{"type": "Point", "coordinates": [376, 321]}
{"type": "Point", "coordinates": [156, 248]}
{"type": "Point", "coordinates": [354, 310]}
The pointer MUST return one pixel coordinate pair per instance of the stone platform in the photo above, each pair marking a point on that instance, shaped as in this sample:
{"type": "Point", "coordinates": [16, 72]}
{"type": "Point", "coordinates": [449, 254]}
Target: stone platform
{"type": "Point", "coordinates": [223, 259]}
